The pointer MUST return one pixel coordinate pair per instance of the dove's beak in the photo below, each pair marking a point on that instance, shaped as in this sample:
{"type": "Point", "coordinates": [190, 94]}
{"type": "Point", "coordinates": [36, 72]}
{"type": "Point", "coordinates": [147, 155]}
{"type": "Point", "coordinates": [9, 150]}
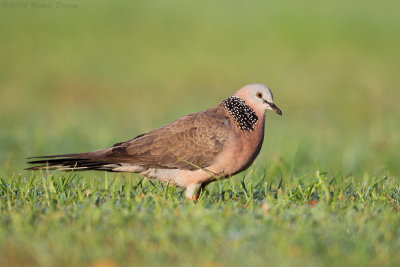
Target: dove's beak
{"type": "Point", "coordinates": [273, 107]}
{"type": "Point", "coordinates": [276, 109]}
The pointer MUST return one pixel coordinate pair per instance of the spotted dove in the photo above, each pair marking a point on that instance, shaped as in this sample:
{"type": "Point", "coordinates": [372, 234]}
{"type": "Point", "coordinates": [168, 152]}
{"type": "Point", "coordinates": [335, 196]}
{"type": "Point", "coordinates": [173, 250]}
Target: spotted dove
{"type": "Point", "coordinates": [190, 152]}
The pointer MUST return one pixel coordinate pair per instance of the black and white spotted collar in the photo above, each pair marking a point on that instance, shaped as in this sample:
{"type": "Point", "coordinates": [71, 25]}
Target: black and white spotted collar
{"type": "Point", "coordinates": [244, 116]}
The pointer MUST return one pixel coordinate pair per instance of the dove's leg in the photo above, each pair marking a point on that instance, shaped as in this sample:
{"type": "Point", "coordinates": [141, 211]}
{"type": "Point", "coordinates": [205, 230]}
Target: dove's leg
{"type": "Point", "coordinates": [192, 191]}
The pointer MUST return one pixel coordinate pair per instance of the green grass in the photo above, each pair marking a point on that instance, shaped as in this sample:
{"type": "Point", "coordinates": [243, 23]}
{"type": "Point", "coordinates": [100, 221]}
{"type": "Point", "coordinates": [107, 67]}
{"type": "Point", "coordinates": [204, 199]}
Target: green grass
{"type": "Point", "coordinates": [313, 220]}
{"type": "Point", "coordinates": [323, 191]}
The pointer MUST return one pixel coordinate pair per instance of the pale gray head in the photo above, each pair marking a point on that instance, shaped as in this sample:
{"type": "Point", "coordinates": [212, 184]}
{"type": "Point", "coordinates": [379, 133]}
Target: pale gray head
{"type": "Point", "coordinates": [258, 97]}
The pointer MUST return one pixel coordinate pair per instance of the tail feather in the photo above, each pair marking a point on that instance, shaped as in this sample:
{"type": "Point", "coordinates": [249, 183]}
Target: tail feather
{"type": "Point", "coordinates": [70, 162]}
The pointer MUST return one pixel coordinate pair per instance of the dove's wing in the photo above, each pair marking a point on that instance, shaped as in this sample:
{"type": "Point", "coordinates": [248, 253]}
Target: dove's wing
{"type": "Point", "coordinates": [192, 141]}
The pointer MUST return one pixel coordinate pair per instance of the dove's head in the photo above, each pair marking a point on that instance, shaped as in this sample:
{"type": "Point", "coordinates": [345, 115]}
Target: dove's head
{"type": "Point", "coordinates": [258, 97]}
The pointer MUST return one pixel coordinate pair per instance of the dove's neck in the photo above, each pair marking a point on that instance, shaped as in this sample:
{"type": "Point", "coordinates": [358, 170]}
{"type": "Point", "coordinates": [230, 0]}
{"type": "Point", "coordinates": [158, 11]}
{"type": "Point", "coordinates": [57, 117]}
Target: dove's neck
{"type": "Point", "coordinates": [243, 115]}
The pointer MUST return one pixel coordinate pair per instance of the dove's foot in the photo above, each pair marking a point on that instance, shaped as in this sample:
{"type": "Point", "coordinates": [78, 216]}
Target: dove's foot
{"type": "Point", "coordinates": [193, 192]}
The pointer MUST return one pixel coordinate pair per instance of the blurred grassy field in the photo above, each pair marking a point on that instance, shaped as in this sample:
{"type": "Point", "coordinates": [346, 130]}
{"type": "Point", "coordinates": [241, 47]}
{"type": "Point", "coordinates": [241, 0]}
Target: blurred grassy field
{"type": "Point", "coordinates": [79, 79]}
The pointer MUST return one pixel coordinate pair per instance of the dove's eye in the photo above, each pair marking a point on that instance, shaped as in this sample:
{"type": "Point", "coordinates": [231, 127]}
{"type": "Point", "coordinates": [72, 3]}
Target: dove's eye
{"type": "Point", "coordinates": [259, 95]}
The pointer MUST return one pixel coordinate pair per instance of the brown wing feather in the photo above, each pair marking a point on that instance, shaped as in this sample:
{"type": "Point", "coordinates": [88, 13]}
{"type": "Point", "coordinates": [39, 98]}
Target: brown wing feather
{"type": "Point", "coordinates": [194, 140]}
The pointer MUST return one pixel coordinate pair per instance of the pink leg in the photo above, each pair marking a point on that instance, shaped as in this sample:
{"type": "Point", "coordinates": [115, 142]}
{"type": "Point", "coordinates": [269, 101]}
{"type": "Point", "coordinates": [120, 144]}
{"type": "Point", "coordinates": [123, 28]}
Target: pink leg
{"type": "Point", "coordinates": [192, 192]}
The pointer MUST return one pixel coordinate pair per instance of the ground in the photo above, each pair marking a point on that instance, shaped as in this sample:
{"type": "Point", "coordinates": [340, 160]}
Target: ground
{"type": "Point", "coordinates": [325, 189]}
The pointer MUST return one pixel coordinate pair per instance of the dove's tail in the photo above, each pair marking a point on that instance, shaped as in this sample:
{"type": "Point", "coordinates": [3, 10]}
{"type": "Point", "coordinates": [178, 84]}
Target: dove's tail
{"type": "Point", "coordinates": [73, 162]}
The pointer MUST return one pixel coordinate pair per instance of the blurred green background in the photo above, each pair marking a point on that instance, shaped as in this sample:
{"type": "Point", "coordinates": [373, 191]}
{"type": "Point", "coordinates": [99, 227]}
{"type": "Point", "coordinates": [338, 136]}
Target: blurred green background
{"type": "Point", "coordinates": [80, 78]}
